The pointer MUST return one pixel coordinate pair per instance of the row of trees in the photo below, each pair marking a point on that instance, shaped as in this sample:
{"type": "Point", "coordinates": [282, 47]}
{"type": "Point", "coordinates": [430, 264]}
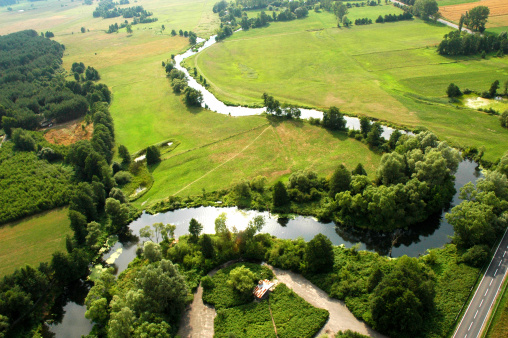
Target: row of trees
{"type": "Point", "coordinates": [394, 17]}
{"type": "Point", "coordinates": [457, 43]}
{"type": "Point", "coordinates": [274, 107]}
{"type": "Point", "coordinates": [179, 82]}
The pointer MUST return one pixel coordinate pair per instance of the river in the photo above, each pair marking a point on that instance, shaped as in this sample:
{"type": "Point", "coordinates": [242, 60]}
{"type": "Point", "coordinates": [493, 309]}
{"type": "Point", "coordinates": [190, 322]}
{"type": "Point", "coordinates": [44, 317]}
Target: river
{"type": "Point", "coordinates": [71, 321]}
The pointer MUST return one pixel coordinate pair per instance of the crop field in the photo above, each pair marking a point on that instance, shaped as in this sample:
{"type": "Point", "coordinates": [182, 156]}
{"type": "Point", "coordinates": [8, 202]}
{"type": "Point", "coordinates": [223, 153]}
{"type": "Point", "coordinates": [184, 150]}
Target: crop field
{"type": "Point", "coordinates": [401, 80]}
{"type": "Point", "coordinates": [32, 240]}
{"type": "Point", "coordinates": [498, 16]}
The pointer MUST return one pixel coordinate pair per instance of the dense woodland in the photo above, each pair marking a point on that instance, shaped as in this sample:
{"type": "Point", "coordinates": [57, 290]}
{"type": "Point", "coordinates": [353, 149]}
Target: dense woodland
{"type": "Point", "coordinates": [43, 176]}
{"type": "Point", "coordinates": [457, 43]}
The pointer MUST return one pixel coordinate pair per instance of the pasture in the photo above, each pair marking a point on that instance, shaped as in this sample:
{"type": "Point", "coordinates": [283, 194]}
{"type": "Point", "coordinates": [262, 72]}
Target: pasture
{"type": "Point", "coordinates": [394, 74]}
{"type": "Point", "coordinates": [33, 240]}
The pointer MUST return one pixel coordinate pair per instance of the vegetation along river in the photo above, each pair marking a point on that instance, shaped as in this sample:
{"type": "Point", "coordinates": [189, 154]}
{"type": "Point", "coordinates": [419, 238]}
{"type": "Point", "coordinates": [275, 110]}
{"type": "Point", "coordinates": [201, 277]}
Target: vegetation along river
{"type": "Point", "coordinates": [435, 232]}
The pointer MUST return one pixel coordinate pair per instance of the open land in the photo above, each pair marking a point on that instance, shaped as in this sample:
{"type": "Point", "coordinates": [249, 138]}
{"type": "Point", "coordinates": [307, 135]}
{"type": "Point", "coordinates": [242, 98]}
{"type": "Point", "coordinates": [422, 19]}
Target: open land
{"type": "Point", "coordinates": [498, 16]}
{"type": "Point", "coordinates": [33, 239]}
{"type": "Point", "coordinates": [401, 80]}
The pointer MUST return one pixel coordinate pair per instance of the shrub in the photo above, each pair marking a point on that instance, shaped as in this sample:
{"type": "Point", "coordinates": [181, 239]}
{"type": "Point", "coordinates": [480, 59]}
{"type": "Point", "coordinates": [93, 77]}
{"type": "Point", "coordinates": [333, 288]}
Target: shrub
{"type": "Point", "coordinates": [453, 90]}
{"type": "Point", "coordinates": [476, 255]}
{"type": "Point", "coordinates": [122, 177]}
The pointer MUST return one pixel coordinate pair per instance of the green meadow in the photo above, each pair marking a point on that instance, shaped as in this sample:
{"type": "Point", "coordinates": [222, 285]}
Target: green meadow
{"type": "Point", "coordinates": [33, 240]}
{"type": "Point", "coordinates": [387, 71]}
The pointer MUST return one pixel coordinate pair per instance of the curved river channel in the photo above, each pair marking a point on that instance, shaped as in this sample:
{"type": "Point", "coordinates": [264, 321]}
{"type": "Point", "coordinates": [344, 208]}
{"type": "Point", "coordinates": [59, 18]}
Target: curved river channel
{"type": "Point", "coordinates": [435, 232]}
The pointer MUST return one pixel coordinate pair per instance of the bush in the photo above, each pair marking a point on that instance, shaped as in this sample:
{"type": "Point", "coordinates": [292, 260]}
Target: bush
{"type": "Point", "coordinates": [453, 90]}
{"type": "Point", "coordinates": [207, 283]}
{"type": "Point", "coordinates": [476, 255]}
{"type": "Point", "coordinates": [122, 177]}
{"type": "Point", "coordinates": [504, 119]}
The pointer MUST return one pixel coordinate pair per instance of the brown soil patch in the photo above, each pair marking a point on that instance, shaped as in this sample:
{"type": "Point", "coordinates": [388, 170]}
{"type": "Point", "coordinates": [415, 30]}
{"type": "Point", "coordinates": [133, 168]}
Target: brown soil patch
{"type": "Point", "coordinates": [498, 16]}
{"type": "Point", "coordinates": [69, 133]}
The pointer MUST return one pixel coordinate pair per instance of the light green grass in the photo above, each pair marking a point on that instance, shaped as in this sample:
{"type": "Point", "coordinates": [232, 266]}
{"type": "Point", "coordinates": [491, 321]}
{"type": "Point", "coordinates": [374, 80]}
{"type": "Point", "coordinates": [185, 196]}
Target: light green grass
{"type": "Point", "coordinates": [32, 240]}
{"type": "Point", "coordinates": [498, 325]}
{"type": "Point", "coordinates": [454, 2]}
{"type": "Point", "coordinates": [390, 71]}
{"type": "Point", "coordinates": [273, 151]}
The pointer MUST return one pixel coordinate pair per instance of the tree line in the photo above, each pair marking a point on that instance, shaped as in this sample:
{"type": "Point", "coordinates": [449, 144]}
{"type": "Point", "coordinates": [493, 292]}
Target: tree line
{"type": "Point", "coordinates": [107, 9]}
{"type": "Point", "coordinates": [179, 82]}
{"type": "Point", "coordinates": [461, 43]}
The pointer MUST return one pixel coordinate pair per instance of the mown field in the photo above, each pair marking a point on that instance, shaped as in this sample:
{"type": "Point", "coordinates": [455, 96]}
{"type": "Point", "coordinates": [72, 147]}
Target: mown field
{"type": "Point", "coordinates": [498, 16]}
{"type": "Point", "coordinates": [394, 74]}
{"type": "Point", "coordinates": [32, 240]}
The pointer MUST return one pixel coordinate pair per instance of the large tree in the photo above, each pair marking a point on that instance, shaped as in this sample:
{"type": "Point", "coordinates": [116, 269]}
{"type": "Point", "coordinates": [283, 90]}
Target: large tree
{"type": "Point", "coordinates": [476, 18]}
{"type": "Point", "coordinates": [425, 8]}
{"type": "Point", "coordinates": [318, 254]}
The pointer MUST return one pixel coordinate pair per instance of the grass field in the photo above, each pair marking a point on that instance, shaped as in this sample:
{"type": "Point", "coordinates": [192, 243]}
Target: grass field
{"type": "Point", "coordinates": [399, 79]}
{"type": "Point", "coordinates": [32, 240]}
{"type": "Point", "coordinates": [499, 325]}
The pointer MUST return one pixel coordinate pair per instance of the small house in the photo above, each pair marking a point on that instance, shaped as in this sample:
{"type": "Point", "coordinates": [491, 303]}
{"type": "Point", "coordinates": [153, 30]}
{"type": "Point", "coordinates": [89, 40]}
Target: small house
{"type": "Point", "coordinates": [262, 288]}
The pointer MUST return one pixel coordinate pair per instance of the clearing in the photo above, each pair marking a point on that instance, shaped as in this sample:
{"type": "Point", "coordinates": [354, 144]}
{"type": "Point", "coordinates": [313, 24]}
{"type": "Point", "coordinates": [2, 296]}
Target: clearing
{"type": "Point", "coordinates": [33, 239]}
{"type": "Point", "coordinates": [69, 133]}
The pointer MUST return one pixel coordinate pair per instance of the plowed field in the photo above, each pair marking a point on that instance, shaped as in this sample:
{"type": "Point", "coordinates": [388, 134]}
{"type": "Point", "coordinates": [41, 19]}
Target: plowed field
{"type": "Point", "coordinates": [498, 11]}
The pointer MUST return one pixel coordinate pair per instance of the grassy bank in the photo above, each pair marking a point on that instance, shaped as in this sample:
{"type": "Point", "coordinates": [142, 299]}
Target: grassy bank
{"type": "Point", "coordinates": [32, 240]}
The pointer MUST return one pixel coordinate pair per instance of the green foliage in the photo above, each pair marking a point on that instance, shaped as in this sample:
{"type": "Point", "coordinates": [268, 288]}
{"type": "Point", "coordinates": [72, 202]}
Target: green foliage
{"type": "Point", "coordinates": [349, 334]}
{"type": "Point", "coordinates": [152, 251]}
{"type": "Point", "coordinates": [249, 320]}
{"type": "Point", "coordinates": [340, 180]}
{"type": "Point", "coordinates": [122, 177]}
{"type": "Point", "coordinates": [476, 256]}
{"type": "Point", "coordinates": [403, 298]}
{"type": "Point", "coordinates": [30, 185]}
{"type": "Point", "coordinates": [425, 8]}
{"type": "Point", "coordinates": [453, 90]}
{"type": "Point", "coordinates": [124, 154]}
{"type": "Point", "coordinates": [476, 18]}
{"type": "Point", "coordinates": [333, 119]}
{"type": "Point", "coordinates": [225, 295]}
{"type": "Point", "coordinates": [23, 140]}
{"type": "Point", "coordinates": [280, 195]}
{"type": "Point", "coordinates": [152, 155]}
{"type": "Point", "coordinates": [318, 256]}
{"type": "Point", "coordinates": [242, 279]}
{"type": "Point", "coordinates": [293, 316]}
{"type": "Point", "coordinates": [195, 228]}
{"type": "Point", "coordinates": [503, 119]}
{"type": "Point", "coordinates": [192, 97]}
{"type": "Point", "coordinates": [287, 254]}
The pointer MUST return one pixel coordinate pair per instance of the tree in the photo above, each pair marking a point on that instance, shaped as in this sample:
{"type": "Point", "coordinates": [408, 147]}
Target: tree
{"type": "Point", "coordinates": [124, 154]}
{"type": "Point", "coordinates": [472, 222]}
{"type": "Point", "coordinates": [159, 330]}
{"type": "Point", "coordinates": [453, 91]}
{"type": "Point", "coordinates": [280, 196]}
{"type": "Point", "coordinates": [318, 255]}
{"type": "Point", "coordinates": [359, 170]}
{"type": "Point", "coordinates": [152, 251]}
{"type": "Point", "coordinates": [23, 140]}
{"type": "Point", "coordinates": [207, 246]}
{"type": "Point", "coordinates": [152, 155]}
{"type": "Point", "coordinates": [374, 135]}
{"type": "Point", "coordinates": [392, 169]}
{"type": "Point", "coordinates": [403, 299]}
{"type": "Point", "coordinates": [340, 180]}
{"type": "Point", "coordinates": [365, 126]}
{"type": "Point", "coordinates": [192, 97]}
{"type": "Point", "coordinates": [94, 232]}
{"type": "Point", "coordinates": [461, 22]}
{"type": "Point", "coordinates": [477, 18]}
{"type": "Point", "coordinates": [129, 29]}
{"type": "Point", "coordinates": [120, 324]}
{"type": "Point", "coordinates": [78, 225]}
{"type": "Point", "coordinates": [220, 224]}
{"type": "Point", "coordinates": [340, 10]}
{"type": "Point", "coordinates": [83, 30]}
{"type": "Point", "coordinates": [118, 213]}
{"type": "Point", "coordinates": [504, 119]}
{"type": "Point", "coordinates": [195, 228]}
{"type": "Point", "coordinates": [333, 119]}
{"type": "Point", "coordinates": [425, 8]}
{"type": "Point", "coordinates": [493, 88]}
{"type": "Point", "coordinates": [242, 279]}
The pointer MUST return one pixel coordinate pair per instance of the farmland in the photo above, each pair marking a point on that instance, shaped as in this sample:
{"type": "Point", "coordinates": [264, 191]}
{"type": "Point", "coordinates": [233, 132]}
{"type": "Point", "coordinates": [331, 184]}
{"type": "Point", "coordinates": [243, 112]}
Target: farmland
{"type": "Point", "coordinates": [498, 16]}
{"type": "Point", "coordinates": [402, 80]}
{"type": "Point", "coordinates": [32, 240]}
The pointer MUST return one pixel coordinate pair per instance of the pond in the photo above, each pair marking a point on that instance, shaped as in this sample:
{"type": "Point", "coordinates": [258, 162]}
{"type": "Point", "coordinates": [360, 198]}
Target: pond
{"type": "Point", "coordinates": [414, 242]}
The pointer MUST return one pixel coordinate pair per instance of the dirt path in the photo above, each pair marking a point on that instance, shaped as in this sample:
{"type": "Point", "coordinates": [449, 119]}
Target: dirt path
{"type": "Point", "coordinates": [340, 317]}
{"type": "Point", "coordinates": [198, 318]}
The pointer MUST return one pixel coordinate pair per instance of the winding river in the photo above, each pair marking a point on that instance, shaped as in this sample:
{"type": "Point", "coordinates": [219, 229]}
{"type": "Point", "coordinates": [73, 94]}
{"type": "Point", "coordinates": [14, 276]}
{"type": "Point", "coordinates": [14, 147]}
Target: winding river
{"type": "Point", "coordinates": [71, 322]}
